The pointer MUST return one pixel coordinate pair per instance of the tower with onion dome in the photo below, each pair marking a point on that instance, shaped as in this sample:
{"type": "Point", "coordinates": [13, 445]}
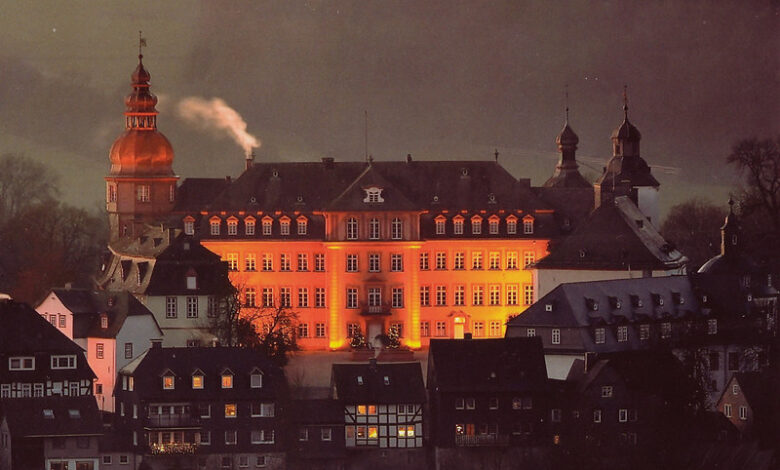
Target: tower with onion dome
{"type": "Point", "coordinates": [141, 185]}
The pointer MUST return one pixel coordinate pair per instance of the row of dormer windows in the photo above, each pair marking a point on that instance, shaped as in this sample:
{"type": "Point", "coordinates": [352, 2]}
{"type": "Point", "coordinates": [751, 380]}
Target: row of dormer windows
{"type": "Point", "coordinates": [250, 226]}
{"type": "Point", "coordinates": [198, 380]}
{"type": "Point", "coordinates": [477, 222]}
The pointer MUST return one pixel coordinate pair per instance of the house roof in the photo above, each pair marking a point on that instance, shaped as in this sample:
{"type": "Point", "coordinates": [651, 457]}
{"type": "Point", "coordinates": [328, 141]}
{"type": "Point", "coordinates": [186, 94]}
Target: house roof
{"type": "Point", "coordinates": [88, 305]}
{"type": "Point", "coordinates": [502, 364]}
{"type": "Point", "coordinates": [317, 411]}
{"type": "Point", "coordinates": [26, 417]}
{"type": "Point", "coordinates": [755, 386]}
{"type": "Point", "coordinates": [196, 193]}
{"type": "Point", "coordinates": [396, 382]}
{"type": "Point", "coordinates": [614, 237]}
{"type": "Point", "coordinates": [24, 331]}
{"type": "Point", "coordinates": [182, 363]}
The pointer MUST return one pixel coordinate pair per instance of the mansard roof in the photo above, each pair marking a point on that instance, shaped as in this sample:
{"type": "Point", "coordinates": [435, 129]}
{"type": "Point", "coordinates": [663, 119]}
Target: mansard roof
{"type": "Point", "coordinates": [365, 383]}
{"type": "Point", "coordinates": [435, 185]}
{"type": "Point", "coordinates": [501, 364]}
{"type": "Point", "coordinates": [614, 237]}
{"type": "Point", "coordinates": [196, 193]}
{"type": "Point", "coordinates": [88, 306]}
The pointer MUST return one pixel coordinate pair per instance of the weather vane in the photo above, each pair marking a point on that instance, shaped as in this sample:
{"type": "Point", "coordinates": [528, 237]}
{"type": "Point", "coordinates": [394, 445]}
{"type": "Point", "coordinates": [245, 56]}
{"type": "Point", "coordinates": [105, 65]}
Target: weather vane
{"type": "Point", "coordinates": [141, 42]}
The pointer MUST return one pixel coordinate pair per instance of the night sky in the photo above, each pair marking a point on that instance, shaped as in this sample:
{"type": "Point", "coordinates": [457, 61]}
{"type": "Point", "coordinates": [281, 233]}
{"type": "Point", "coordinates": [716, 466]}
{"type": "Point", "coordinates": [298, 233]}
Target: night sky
{"type": "Point", "coordinates": [439, 80]}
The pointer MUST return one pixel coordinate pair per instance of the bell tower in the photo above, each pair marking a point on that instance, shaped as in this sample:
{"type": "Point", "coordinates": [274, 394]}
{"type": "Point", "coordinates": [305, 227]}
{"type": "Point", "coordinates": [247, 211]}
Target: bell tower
{"type": "Point", "coordinates": [141, 185]}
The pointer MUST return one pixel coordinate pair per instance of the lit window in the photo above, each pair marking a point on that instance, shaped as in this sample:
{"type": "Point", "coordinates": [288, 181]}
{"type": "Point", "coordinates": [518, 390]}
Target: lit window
{"type": "Point", "coordinates": [528, 294]}
{"type": "Point", "coordinates": [168, 382]}
{"type": "Point", "coordinates": [285, 262]}
{"type": "Point", "coordinates": [284, 226]}
{"type": "Point", "coordinates": [511, 260]}
{"type": "Point", "coordinates": [476, 260]}
{"type": "Point", "coordinates": [250, 262]}
{"type": "Point", "coordinates": [197, 381]}
{"type": "Point", "coordinates": [478, 295]}
{"type": "Point", "coordinates": [227, 380]}
{"type": "Point", "coordinates": [250, 297]}
{"type": "Point", "coordinates": [230, 410]}
{"type": "Point", "coordinates": [232, 261]}
{"type": "Point", "coordinates": [494, 260]}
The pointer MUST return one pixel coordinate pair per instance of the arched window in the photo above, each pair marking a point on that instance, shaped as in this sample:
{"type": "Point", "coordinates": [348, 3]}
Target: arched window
{"type": "Point", "coordinates": [249, 225]}
{"type": "Point", "coordinates": [476, 225]}
{"type": "Point", "coordinates": [303, 225]}
{"type": "Point", "coordinates": [232, 226]}
{"type": "Point", "coordinates": [511, 225]}
{"type": "Point", "coordinates": [528, 225]}
{"type": "Point", "coordinates": [493, 225]}
{"type": "Point", "coordinates": [441, 225]}
{"type": "Point", "coordinates": [214, 224]}
{"type": "Point", "coordinates": [457, 225]}
{"type": "Point", "coordinates": [189, 225]}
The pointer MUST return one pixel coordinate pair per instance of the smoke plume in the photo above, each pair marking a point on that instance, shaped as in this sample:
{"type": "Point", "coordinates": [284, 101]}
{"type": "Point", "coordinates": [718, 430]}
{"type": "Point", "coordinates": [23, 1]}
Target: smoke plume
{"type": "Point", "coordinates": [216, 115]}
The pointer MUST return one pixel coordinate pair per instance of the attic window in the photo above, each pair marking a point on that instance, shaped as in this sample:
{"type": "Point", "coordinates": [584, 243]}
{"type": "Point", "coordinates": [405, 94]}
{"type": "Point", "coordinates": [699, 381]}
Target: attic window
{"type": "Point", "coordinates": [476, 225]}
{"type": "Point", "coordinates": [491, 198]}
{"type": "Point", "coordinates": [592, 304]}
{"type": "Point", "coordinates": [511, 225]}
{"type": "Point", "coordinates": [192, 280]}
{"type": "Point", "coordinates": [74, 414]}
{"type": "Point", "coordinates": [677, 298]}
{"type": "Point", "coordinates": [227, 379]}
{"type": "Point", "coordinates": [232, 226]}
{"type": "Point", "coordinates": [528, 225]}
{"type": "Point", "coordinates": [197, 380]}
{"type": "Point", "coordinates": [303, 225]}
{"type": "Point", "coordinates": [636, 302]}
{"type": "Point", "coordinates": [249, 225]}
{"type": "Point", "coordinates": [658, 300]}
{"type": "Point", "coordinates": [48, 413]}
{"type": "Point", "coordinates": [256, 378]}
{"type": "Point", "coordinates": [441, 222]}
{"type": "Point", "coordinates": [387, 380]}
{"type": "Point", "coordinates": [360, 380]}
{"type": "Point", "coordinates": [103, 321]}
{"type": "Point", "coordinates": [284, 226]}
{"type": "Point", "coordinates": [614, 302]}
{"type": "Point", "coordinates": [168, 381]}
{"type": "Point", "coordinates": [189, 225]}
{"type": "Point", "coordinates": [493, 224]}
{"type": "Point", "coordinates": [373, 195]}
{"type": "Point", "coordinates": [214, 224]}
{"type": "Point", "coordinates": [457, 225]}
{"type": "Point", "coordinates": [267, 224]}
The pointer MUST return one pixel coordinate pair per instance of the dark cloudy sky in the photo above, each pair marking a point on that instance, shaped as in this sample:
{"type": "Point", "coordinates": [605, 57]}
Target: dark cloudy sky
{"type": "Point", "coordinates": [440, 80]}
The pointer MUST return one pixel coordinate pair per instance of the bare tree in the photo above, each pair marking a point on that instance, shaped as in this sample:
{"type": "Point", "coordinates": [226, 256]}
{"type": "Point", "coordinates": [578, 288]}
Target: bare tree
{"type": "Point", "coordinates": [24, 183]}
{"type": "Point", "coordinates": [694, 228]}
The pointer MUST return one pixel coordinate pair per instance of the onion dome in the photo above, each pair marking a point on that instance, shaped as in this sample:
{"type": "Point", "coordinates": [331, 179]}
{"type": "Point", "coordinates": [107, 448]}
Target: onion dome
{"type": "Point", "coordinates": [626, 132]}
{"type": "Point", "coordinates": [567, 137]}
{"type": "Point", "coordinates": [141, 149]}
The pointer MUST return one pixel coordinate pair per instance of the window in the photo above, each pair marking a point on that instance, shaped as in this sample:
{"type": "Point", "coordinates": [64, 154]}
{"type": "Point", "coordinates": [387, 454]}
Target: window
{"type": "Point", "coordinates": [111, 193]}
{"type": "Point", "coordinates": [457, 225]}
{"type": "Point", "coordinates": [319, 262]}
{"type": "Point", "coordinates": [303, 434]}
{"type": "Point", "coordinates": [528, 258]}
{"type": "Point", "coordinates": [735, 389]}
{"type": "Point", "coordinates": [714, 359]}
{"type": "Point", "coordinates": [511, 225]}
{"type": "Point", "coordinates": [285, 263]}
{"type": "Point", "coordinates": [303, 225]}
{"type": "Point", "coordinates": [666, 330]}
{"type": "Point", "coordinates": [493, 403]}
{"type": "Point", "coordinates": [727, 410]}
{"type": "Point", "coordinates": [425, 329]}
{"type": "Point", "coordinates": [398, 297]}
{"type": "Point", "coordinates": [511, 294]}
{"type": "Point", "coordinates": [232, 261]}
{"type": "Point", "coordinates": [425, 296]}
{"type": "Point", "coordinates": [197, 381]}
{"type": "Point", "coordinates": [267, 410]}
{"type": "Point", "coordinates": [303, 330]}
{"type": "Point", "coordinates": [352, 297]}
{"type": "Point", "coordinates": [192, 307]}
{"type": "Point", "coordinates": [528, 225]}
{"type": "Point", "coordinates": [476, 225]}
{"type": "Point", "coordinates": [214, 224]}
{"type": "Point", "coordinates": [249, 225]}
{"type": "Point", "coordinates": [303, 297]}
{"type": "Point", "coordinates": [352, 228]}
{"type": "Point", "coordinates": [250, 262]}
{"type": "Point", "coordinates": [556, 336]}
{"type": "Point", "coordinates": [374, 296]}
{"type": "Point", "coordinates": [441, 223]}
{"type": "Point", "coordinates": [168, 382]}
{"type": "Point", "coordinates": [285, 297]}
{"type": "Point", "coordinates": [243, 461]}
{"type": "Point", "coordinates": [596, 416]}
{"type": "Point", "coordinates": [263, 436]}
{"type": "Point", "coordinates": [63, 321]}
{"type": "Point", "coordinates": [170, 307]}
{"type": "Point", "coordinates": [63, 362]}
{"type": "Point", "coordinates": [479, 329]}
{"type": "Point", "coordinates": [460, 295]}
{"type": "Point", "coordinates": [471, 404]}
{"type": "Point", "coordinates": [441, 260]}
{"type": "Point", "coordinates": [555, 415]}
{"type": "Point", "coordinates": [353, 329]}
{"type": "Point", "coordinates": [256, 379]}
{"type": "Point", "coordinates": [623, 415]}
{"type": "Point", "coordinates": [107, 460]}
{"type": "Point", "coordinates": [326, 434]}
{"type": "Point", "coordinates": [606, 391]}
{"type": "Point", "coordinates": [142, 193]}
{"type": "Point", "coordinates": [303, 262]}
{"type": "Point", "coordinates": [319, 297]}
{"type": "Point", "coordinates": [476, 260]}
{"type": "Point", "coordinates": [99, 350]}
{"type": "Point", "coordinates": [396, 229]}
{"type": "Point", "coordinates": [230, 438]}
{"type": "Point", "coordinates": [268, 297]}
{"type": "Point", "coordinates": [227, 379]}
{"type": "Point", "coordinates": [494, 294]}
{"type": "Point", "coordinates": [424, 261]}
{"type": "Point", "coordinates": [250, 297]}
{"type": "Point", "coordinates": [441, 295]}
{"type": "Point", "coordinates": [511, 260]}
{"type": "Point", "coordinates": [268, 262]}
{"type": "Point", "coordinates": [644, 331]}
{"type": "Point", "coordinates": [478, 294]}
{"type": "Point", "coordinates": [530, 332]}
{"type": "Point", "coordinates": [284, 226]}
{"type": "Point", "coordinates": [319, 330]}
{"type": "Point", "coordinates": [232, 226]}
{"type": "Point", "coordinates": [494, 260]}
{"type": "Point", "coordinates": [622, 334]}
{"type": "Point", "coordinates": [396, 262]}
{"type": "Point", "coordinates": [352, 263]}
{"type": "Point", "coordinates": [374, 229]}
{"type": "Point", "coordinates": [743, 415]}
{"type": "Point", "coordinates": [712, 326]}
{"type": "Point", "coordinates": [373, 263]}
{"type": "Point", "coordinates": [39, 390]}
{"type": "Point", "coordinates": [733, 360]}
{"type": "Point", "coordinates": [493, 225]}
{"type": "Point", "coordinates": [495, 328]}
{"type": "Point", "coordinates": [441, 328]}
{"type": "Point", "coordinates": [231, 410]}
{"type": "Point", "coordinates": [600, 336]}
{"type": "Point", "coordinates": [267, 226]}
{"type": "Point", "coordinates": [261, 461]}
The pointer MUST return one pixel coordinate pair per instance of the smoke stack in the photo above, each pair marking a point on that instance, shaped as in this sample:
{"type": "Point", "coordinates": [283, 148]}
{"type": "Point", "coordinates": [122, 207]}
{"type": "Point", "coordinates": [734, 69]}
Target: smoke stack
{"type": "Point", "coordinates": [156, 343]}
{"type": "Point", "coordinates": [328, 162]}
{"type": "Point", "coordinates": [250, 160]}
{"type": "Point", "coordinates": [372, 364]}
{"type": "Point", "coordinates": [408, 158]}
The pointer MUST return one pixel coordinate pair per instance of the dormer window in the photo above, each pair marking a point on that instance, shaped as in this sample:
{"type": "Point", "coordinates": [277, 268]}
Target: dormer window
{"type": "Point", "coordinates": [528, 225]}
{"type": "Point", "coordinates": [352, 228]}
{"type": "Point", "coordinates": [592, 304]}
{"type": "Point", "coordinates": [374, 229]}
{"type": "Point", "coordinates": [677, 298]}
{"type": "Point", "coordinates": [267, 224]}
{"type": "Point", "coordinates": [249, 225]}
{"type": "Point", "coordinates": [636, 302]}
{"type": "Point", "coordinates": [457, 225]}
{"type": "Point", "coordinates": [493, 224]}
{"type": "Point", "coordinates": [441, 224]}
{"type": "Point", "coordinates": [373, 195]}
{"type": "Point", "coordinates": [658, 300]}
{"type": "Point", "coordinates": [232, 226]}
{"type": "Point", "coordinates": [214, 224]}
{"type": "Point", "coordinates": [197, 380]}
{"type": "Point", "coordinates": [476, 225]}
{"type": "Point", "coordinates": [615, 303]}
{"type": "Point", "coordinates": [387, 380]}
{"type": "Point", "coordinates": [360, 380]}
{"type": "Point", "coordinates": [511, 225]}
{"type": "Point", "coordinates": [284, 226]}
{"type": "Point", "coordinates": [256, 378]}
{"type": "Point", "coordinates": [103, 321]}
{"type": "Point", "coordinates": [303, 225]}
{"type": "Point", "coordinates": [189, 225]}
{"type": "Point", "coordinates": [227, 379]}
{"type": "Point", "coordinates": [168, 381]}
{"type": "Point", "coordinates": [48, 413]}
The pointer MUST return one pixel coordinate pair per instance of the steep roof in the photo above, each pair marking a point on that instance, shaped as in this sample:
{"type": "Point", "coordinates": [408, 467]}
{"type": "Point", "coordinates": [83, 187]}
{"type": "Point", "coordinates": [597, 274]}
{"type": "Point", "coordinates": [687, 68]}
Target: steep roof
{"type": "Point", "coordinates": [365, 383]}
{"type": "Point", "coordinates": [615, 237]}
{"type": "Point", "coordinates": [501, 364]}
{"type": "Point", "coordinates": [88, 305]}
{"type": "Point", "coordinates": [26, 416]}
{"type": "Point", "coordinates": [755, 387]}
{"type": "Point", "coordinates": [196, 193]}
{"type": "Point", "coordinates": [23, 330]}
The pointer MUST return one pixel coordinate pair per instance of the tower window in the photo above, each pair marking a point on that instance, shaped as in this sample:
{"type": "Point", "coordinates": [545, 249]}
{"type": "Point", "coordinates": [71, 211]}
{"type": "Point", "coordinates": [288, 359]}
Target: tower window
{"type": "Point", "coordinates": [143, 193]}
{"type": "Point", "coordinates": [172, 193]}
{"type": "Point", "coordinates": [111, 193]}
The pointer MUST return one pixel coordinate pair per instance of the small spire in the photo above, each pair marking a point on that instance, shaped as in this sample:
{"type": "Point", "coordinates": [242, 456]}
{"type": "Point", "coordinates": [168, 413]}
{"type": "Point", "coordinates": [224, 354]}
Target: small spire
{"type": "Point", "coordinates": [567, 103]}
{"type": "Point", "coordinates": [141, 43]}
{"type": "Point", "coordinates": [625, 101]}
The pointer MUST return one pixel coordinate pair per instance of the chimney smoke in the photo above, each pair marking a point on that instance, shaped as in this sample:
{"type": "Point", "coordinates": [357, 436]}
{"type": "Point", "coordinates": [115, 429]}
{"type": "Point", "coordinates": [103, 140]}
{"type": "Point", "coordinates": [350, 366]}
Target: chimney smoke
{"type": "Point", "coordinates": [215, 115]}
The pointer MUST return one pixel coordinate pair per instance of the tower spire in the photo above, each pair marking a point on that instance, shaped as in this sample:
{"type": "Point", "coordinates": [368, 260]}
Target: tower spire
{"type": "Point", "coordinates": [625, 102]}
{"type": "Point", "coordinates": [567, 103]}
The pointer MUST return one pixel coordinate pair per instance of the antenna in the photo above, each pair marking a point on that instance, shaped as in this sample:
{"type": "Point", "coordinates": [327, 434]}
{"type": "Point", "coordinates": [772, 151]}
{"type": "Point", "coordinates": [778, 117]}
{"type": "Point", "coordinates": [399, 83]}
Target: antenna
{"type": "Point", "coordinates": [365, 112]}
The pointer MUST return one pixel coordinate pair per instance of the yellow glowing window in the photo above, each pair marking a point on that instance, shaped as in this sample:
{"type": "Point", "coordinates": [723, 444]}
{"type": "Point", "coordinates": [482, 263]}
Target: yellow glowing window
{"type": "Point", "coordinates": [373, 433]}
{"type": "Point", "coordinates": [197, 381]}
{"type": "Point", "coordinates": [402, 431]}
{"type": "Point", "coordinates": [168, 382]}
{"type": "Point", "coordinates": [230, 410]}
{"type": "Point", "coordinates": [372, 409]}
{"type": "Point", "coordinates": [227, 381]}
{"type": "Point", "coordinates": [410, 431]}
{"type": "Point", "coordinates": [361, 409]}
{"type": "Point", "coordinates": [406, 431]}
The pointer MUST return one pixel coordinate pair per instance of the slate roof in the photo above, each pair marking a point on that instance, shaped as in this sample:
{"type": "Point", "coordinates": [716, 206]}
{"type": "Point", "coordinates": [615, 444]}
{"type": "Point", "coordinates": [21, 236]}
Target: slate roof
{"type": "Point", "coordinates": [149, 369]}
{"type": "Point", "coordinates": [501, 364]}
{"type": "Point", "coordinates": [195, 193]}
{"type": "Point", "coordinates": [650, 372]}
{"type": "Point", "coordinates": [88, 305]}
{"type": "Point", "coordinates": [405, 383]}
{"type": "Point", "coordinates": [311, 186]}
{"type": "Point", "coordinates": [615, 237]}
{"type": "Point", "coordinates": [26, 419]}
{"type": "Point", "coordinates": [23, 330]}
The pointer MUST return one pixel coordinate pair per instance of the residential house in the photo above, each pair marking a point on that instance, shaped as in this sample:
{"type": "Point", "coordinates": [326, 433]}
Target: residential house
{"type": "Point", "coordinates": [112, 327]}
{"type": "Point", "coordinates": [746, 402]}
{"type": "Point", "coordinates": [317, 438]}
{"type": "Point", "coordinates": [203, 407]}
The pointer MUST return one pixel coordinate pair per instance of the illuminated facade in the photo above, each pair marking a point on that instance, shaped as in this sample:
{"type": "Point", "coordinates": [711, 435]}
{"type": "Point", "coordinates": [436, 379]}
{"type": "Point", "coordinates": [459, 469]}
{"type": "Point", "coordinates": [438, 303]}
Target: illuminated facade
{"type": "Point", "coordinates": [427, 249]}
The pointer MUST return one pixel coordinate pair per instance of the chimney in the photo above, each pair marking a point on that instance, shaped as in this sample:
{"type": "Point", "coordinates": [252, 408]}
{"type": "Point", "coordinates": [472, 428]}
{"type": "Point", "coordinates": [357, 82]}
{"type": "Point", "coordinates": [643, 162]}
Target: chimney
{"type": "Point", "coordinates": [372, 364]}
{"type": "Point", "coordinates": [68, 285]}
{"type": "Point", "coordinates": [328, 162]}
{"type": "Point", "coordinates": [408, 158]}
{"type": "Point", "coordinates": [466, 335]}
{"type": "Point", "coordinates": [170, 234]}
{"type": "Point", "coordinates": [590, 359]}
{"type": "Point", "coordinates": [227, 179]}
{"type": "Point", "coordinates": [250, 160]}
{"type": "Point", "coordinates": [156, 343]}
